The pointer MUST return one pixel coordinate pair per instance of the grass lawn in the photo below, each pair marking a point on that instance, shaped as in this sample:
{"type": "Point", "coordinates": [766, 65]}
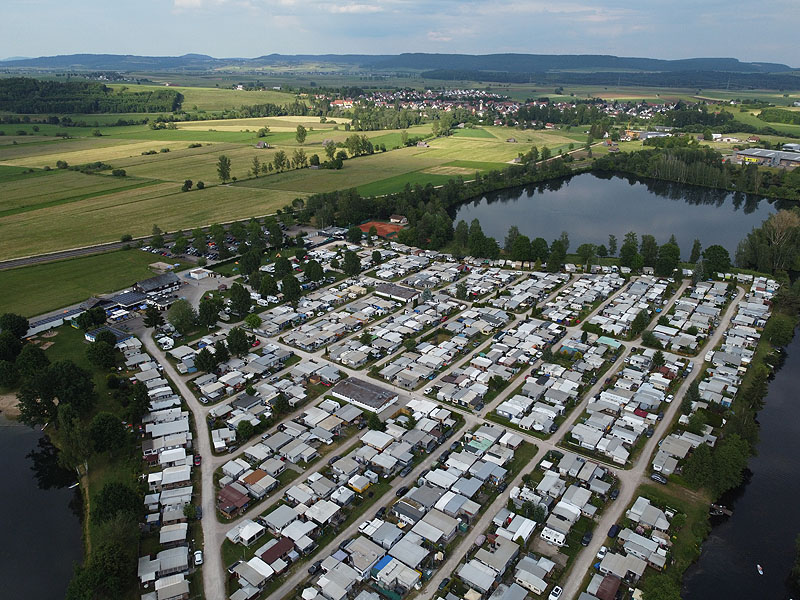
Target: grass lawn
{"type": "Point", "coordinates": [473, 133]}
{"type": "Point", "coordinates": [691, 527]}
{"type": "Point", "coordinates": [398, 182]}
{"type": "Point", "coordinates": [37, 289]}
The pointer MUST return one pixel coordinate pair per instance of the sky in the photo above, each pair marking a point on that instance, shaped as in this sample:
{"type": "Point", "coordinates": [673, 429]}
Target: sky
{"type": "Point", "coordinates": [765, 31]}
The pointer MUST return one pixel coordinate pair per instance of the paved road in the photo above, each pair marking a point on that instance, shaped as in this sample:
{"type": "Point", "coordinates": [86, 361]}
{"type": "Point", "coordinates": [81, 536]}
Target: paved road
{"type": "Point", "coordinates": [214, 574]}
{"type": "Point", "coordinates": [213, 569]}
{"type": "Point", "coordinates": [631, 479]}
{"type": "Point", "coordinates": [628, 478]}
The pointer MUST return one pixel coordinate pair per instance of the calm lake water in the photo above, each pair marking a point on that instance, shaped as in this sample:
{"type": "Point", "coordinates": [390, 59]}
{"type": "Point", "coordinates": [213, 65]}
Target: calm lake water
{"type": "Point", "coordinates": [590, 207]}
{"type": "Point", "coordinates": [39, 517]}
{"type": "Point", "coordinates": [766, 519]}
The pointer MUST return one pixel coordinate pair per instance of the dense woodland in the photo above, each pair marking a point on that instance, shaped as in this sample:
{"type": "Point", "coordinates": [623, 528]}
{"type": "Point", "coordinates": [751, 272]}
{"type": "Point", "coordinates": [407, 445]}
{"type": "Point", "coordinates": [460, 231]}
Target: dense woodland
{"type": "Point", "coordinates": [685, 161]}
{"type": "Point", "coordinates": [36, 96]}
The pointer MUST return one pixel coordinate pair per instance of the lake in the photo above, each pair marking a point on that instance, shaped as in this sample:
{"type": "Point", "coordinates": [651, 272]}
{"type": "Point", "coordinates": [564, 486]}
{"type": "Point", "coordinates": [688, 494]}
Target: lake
{"type": "Point", "coordinates": [765, 519]}
{"type": "Point", "coordinates": [589, 207]}
{"type": "Point", "coordinates": [40, 518]}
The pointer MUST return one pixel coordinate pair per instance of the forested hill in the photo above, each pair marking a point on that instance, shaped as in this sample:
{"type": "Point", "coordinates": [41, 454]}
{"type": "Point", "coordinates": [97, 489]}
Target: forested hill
{"type": "Point", "coordinates": [34, 96]}
{"type": "Point", "coordinates": [532, 63]}
{"type": "Point", "coordinates": [512, 63]}
{"type": "Point", "coordinates": [691, 79]}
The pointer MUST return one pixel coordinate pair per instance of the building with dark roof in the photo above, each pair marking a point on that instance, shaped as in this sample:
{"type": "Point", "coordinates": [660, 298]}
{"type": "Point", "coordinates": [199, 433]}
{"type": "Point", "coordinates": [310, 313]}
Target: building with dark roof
{"type": "Point", "coordinates": [168, 282]}
{"type": "Point", "coordinates": [363, 394]}
{"type": "Point", "coordinates": [396, 292]}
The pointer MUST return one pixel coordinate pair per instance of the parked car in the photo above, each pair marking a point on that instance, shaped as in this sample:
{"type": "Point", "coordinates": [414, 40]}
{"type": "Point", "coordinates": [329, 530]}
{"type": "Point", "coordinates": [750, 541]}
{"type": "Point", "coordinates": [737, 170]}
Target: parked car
{"type": "Point", "coordinates": [659, 478]}
{"type": "Point", "coordinates": [401, 491]}
{"type": "Point", "coordinates": [649, 432]}
{"type": "Point", "coordinates": [670, 398]}
{"type": "Point", "coordinates": [381, 512]}
{"type": "Point", "coordinates": [613, 531]}
{"type": "Point", "coordinates": [586, 539]}
{"type": "Point", "coordinates": [198, 558]}
{"type": "Point", "coordinates": [315, 567]}
{"type": "Point", "coordinates": [445, 583]}
{"type": "Point", "coordinates": [405, 471]}
{"type": "Point", "coordinates": [601, 554]}
{"type": "Point", "coordinates": [555, 594]}
{"type": "Point", "coordinates": [614, 494]}
{"type": "Point", "coordinates": [660, 416]}
{"type": "Point", "coordinates": [333, 459]}
{"type": "Point", "coordinates": [197, 460]}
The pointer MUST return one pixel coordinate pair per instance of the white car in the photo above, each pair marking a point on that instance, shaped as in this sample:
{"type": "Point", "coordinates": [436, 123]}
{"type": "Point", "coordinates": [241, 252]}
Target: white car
{"type": "Point", "coordinates": [555, 594]}
{"type": "Point", "coordinates": [427, 390]}
{"type": "Point", "coordinates": [601, 554]}
{"type": "Point", "coordinates": [670, 398]}
{"type": "Point", "coordinates": [198, 558]}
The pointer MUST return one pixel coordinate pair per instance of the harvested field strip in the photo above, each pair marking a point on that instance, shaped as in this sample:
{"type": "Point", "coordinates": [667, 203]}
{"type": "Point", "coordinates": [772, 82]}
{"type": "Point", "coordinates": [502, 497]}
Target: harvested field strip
{"type": "Point", "coordinates": [52, 203]}
{"type": "Point", "coordinates": [80, 157]}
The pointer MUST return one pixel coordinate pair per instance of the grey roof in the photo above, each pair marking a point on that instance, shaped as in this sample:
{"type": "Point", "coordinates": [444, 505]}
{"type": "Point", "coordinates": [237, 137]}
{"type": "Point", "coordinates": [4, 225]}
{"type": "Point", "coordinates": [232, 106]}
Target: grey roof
{"type": "Point", "coordinates": [158, 282]}
{"type": "Point", "coordinates": [363, 392]}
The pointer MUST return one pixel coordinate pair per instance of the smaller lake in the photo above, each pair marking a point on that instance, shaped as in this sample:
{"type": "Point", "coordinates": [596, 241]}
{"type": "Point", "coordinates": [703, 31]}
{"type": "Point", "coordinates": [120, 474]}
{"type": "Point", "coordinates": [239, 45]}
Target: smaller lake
{"type": "Point", "coordinates": [589, 207]}
{"type": "Point", "coordinates": [40, 517]}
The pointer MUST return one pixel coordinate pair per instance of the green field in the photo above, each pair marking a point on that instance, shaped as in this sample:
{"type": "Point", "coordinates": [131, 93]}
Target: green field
{"type": "Point", "coordinates": [37, 289]}
{"type": "Point", "coordinates": [106, 218]}
{"type": "Point", "coordinates": [751, 118]}
{"type": "Point", "coordinates": [203, 98]}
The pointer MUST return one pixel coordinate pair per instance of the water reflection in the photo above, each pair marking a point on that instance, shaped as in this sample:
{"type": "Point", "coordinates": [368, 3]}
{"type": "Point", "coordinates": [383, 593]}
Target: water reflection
{"type": "Point", "coordinates": [765, 519]}
{"type": "Point", "coordinates": [39, 517]}
{"type": "Point", "coordinates": [592, 206]}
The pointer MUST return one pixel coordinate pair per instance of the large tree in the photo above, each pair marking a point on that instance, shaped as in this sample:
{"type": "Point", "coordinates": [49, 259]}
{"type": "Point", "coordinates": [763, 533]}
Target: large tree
{"type": "Point", "coordinates": [223, 168]}
{"type": "Point", "coordinates": [351, 265]}
{"type": "Point", "coordinates": [62, 381]}
{"type": "Point", "coordinates": [107, 432]}
{"type": "Point", "coordinates": [114, 498]}
{"type": "Point", "coordinates": [241, 302]}
{"type": "Point", "coordinates": [313, 271]}
{"type": "Point", "coordinates": [208, 311]}
{"type": "Point", "coordinates": [300, 134]}
{"type": "Point", "coordinates": [15, 324]}
{"type": "Point", "coordinates": [717, 259]}
{"type": "Point", "coordinates": [291, 289]}
{"type": "Point", "coordinates": [182, 316]}
{"type": "Point", "coordinates": [237, 341]}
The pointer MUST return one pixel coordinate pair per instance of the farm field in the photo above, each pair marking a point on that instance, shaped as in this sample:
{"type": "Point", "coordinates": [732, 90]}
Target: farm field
{"type": "Point", "coordinates": [79, 157]}
{"type": "Point", "coordinates": [58, 187]}
{"type": "Point", "coordinates": [108, 217]}
{"type": "Point", "coordinates": [37, 289]}
{"type": "Point", "coordinates": [205, 99]}
{"type": "Point", "coordinates": [751, 118]}
{"type": "Point", "coordinates": [48, 211]}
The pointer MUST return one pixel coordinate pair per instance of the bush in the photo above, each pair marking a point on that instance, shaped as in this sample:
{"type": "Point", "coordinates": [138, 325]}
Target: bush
{"type": "Point", "coordinates": [200, 185]}
{"type": "Point", "coordinates": [61, 164]}
{"type": "Point", "coordinates": [119, 173]}
{"type": "Point", "coordinates": [164, 150]}
{"type": "Point", "coordinates": [126, 238]}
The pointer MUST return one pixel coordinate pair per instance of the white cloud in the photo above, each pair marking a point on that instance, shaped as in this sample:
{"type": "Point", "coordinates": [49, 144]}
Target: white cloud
{"type": "Point", "coordinates": [355, 9]}
{"type": "Point", "coordinates": [439, 36]}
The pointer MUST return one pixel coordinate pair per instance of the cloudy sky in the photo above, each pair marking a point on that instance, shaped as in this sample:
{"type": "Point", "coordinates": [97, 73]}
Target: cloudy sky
{"type": "Point", "coordinates": [765, 31]}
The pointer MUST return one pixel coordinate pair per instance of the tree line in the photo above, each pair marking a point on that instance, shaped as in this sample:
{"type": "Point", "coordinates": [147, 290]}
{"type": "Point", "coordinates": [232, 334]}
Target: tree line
{"type": "Point", "coordinates": [26, 95]}
{"type": "Point", "coordinates": [683, 160]}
